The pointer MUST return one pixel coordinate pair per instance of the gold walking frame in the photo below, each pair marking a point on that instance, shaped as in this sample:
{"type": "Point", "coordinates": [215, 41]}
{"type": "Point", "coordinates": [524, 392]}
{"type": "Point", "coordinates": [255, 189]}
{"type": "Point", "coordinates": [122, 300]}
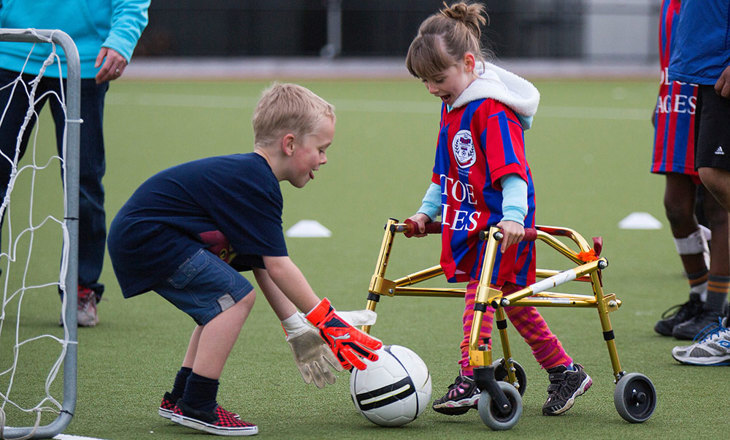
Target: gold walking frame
{"type": "Point", "coordinates": [504, 381]}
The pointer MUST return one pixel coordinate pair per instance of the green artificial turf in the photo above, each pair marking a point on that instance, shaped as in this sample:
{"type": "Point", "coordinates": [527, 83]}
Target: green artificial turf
{"type": "Point", "coordinates": [589, 149]}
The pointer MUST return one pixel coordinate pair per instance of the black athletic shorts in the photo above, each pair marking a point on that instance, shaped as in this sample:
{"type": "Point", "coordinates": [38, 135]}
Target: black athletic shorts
{"type": "Point", "coordinates": [712, 129]}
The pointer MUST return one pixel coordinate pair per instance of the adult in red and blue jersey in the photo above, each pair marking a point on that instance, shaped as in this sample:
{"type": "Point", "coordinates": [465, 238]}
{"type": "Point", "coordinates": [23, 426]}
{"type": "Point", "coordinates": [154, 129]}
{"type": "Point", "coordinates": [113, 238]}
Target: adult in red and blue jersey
{"type": "Point", "coordinates": [481, 178]}
{"type": "Point", "coordinates": [701, 55]}
{"type": "Point", "coordinates": [674, 157]}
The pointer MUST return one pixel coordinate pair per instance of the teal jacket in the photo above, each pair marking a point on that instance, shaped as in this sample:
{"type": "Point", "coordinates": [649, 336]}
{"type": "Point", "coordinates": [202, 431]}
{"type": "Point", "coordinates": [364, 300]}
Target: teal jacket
{"type": "Point", "coordinates": [92, 24]}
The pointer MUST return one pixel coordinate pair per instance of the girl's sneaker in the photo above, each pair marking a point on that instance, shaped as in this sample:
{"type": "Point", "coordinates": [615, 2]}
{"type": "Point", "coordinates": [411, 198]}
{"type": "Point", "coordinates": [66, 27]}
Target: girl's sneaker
{"type": "Point", "coordinates": [219, 421]}
{"type": "Point", "coordinates": [565, 386]}
{"type": "Point", "coordinates": [463, 395]}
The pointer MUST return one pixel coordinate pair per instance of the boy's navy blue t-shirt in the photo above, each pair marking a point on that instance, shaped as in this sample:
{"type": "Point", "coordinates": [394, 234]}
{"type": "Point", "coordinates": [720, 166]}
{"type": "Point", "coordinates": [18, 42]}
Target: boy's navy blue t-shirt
{"type": "Point", "coordinates": [160, 226]}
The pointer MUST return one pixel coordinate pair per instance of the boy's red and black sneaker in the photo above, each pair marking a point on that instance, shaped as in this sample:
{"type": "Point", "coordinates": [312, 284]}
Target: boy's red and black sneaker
{"type": "Point", "coordinates": [167, 407]}
{"type": "Point", "coordinates": [219, 421]}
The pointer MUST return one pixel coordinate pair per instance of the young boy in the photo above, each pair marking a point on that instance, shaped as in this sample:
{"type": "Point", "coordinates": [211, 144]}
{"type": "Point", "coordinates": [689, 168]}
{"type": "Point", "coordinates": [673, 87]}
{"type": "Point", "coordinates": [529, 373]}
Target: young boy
{"type": "Point", "coordinates": [187, 231]}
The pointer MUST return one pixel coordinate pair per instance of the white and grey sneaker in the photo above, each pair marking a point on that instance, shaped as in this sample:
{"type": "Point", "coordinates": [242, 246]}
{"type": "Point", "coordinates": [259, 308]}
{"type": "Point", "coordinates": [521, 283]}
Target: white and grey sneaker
{"type": "Point", "coordinates": [712, 348]}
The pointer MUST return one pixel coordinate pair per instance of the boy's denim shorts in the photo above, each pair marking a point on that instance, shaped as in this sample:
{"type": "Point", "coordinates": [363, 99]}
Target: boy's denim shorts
{"type": "Point", "coordinates": [204, 286]}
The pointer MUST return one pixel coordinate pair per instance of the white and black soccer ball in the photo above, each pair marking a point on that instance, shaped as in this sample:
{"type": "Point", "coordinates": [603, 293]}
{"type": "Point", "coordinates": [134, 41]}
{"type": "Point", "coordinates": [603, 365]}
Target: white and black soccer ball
{"type": "Point", "coordinates": [393, 390]}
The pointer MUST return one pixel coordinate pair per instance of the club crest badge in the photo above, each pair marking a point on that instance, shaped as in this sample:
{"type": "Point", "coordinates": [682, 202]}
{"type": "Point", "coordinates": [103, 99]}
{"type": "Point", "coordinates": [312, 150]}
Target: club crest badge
{"type": "Point", "coordinates": [463, 147]}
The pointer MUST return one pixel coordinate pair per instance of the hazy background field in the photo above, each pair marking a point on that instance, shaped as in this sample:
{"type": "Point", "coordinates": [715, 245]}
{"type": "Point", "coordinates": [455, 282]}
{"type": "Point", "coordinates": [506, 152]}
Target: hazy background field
{"type": "Point", "coordinates": [589, 150]}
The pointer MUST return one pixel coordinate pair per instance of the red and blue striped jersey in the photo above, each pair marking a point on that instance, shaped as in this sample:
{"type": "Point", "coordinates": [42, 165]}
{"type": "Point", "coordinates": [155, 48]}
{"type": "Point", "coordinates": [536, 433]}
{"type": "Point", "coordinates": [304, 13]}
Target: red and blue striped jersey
{"type": "Point", "coordinates": [478, 144]}
{"type": "Point", "coordinates": [675, 107]}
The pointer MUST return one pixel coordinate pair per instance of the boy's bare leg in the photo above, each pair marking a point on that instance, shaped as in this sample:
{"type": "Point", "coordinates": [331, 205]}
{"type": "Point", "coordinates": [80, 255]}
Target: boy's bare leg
{"type": "Point", "coordinates": [217, 337]}
{"type": "Point", "coordinates": [208, 351]}
{"type": "Point", "coordinates": [192, 347]}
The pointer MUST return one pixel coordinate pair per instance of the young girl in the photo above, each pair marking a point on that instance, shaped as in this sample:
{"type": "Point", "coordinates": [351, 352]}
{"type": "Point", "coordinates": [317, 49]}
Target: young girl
{"type": "Point", "coordinates": [481, 178]}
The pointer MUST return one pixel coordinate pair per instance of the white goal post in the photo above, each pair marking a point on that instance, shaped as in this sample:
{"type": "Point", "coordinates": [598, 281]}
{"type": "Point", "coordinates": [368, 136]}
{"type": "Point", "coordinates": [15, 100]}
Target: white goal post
{"type": "Point", "coordinates": [67, 280]}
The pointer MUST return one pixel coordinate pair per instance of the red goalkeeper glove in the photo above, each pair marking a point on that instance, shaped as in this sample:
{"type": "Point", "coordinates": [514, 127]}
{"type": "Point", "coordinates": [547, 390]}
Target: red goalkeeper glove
{"type": "Point", "coordinates": [346, 342]}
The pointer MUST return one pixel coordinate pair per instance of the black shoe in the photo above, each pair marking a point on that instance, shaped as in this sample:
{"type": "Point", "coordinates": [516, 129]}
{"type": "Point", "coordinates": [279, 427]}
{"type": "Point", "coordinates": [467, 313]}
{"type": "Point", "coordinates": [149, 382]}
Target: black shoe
{"type": "Point", "coordinates": [565, 386]}
{"type": "Point", "coordinates": [678, 314]}
{"type": "Point", "coordinates": [690, 329]}
{"type": "Point", "coordinates": [463, 395]}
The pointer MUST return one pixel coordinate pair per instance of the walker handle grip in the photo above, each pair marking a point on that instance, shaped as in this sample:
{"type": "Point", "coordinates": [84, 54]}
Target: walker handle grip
{"type": "Point", "coordinates": [530, 235]}
{"type": "Point", "coordinates": [408, 227]}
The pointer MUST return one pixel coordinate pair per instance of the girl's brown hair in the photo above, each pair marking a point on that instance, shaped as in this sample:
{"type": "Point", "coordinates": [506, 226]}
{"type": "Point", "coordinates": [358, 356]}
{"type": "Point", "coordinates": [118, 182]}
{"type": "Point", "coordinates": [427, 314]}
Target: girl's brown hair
{"type": "Point", "coordinates": [445, 37]}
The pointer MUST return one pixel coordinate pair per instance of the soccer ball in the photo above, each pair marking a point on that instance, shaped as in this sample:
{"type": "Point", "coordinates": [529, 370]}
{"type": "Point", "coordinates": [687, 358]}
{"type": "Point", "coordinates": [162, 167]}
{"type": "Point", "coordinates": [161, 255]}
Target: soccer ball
{"type": "Point", "coordinates": [393, 390]}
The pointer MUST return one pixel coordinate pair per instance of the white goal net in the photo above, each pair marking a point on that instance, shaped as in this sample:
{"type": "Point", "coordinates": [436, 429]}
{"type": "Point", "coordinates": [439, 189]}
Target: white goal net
{"type": "Point", "coordinates": [38, 255]}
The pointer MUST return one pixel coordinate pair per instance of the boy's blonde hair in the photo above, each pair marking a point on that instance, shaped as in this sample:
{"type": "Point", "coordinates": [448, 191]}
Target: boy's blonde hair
{"type": "Point", "coordinates": [287, 108]}
{"type": "Point", "coordinates": [445, 37]}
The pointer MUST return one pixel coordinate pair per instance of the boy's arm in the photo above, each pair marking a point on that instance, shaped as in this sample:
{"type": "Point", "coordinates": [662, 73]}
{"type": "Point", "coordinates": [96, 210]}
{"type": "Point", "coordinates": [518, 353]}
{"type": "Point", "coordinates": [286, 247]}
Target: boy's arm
{"type": "Point", "coordinates": [348, 343]}
{"type": "Point", "coordinates": [311, 354]}
{"type": "Point", "coordinates": [290, 280]}
{"type": "Point", "coordinates": [281, 305]}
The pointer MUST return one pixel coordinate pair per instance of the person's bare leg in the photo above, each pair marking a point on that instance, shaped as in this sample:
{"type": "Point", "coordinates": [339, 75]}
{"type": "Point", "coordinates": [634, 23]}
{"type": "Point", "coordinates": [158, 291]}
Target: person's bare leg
{"type": "Point", "coordinates": [218, 336]}
{"type": "Point", "coordinates": [679, 205]}
{"type": "Point", "coordinates": [208, 349]}
{"type": "Point", "coordinates": [717, 181]}
{"type": "Point", "coordinates": [719, 255]}
{"type": "Point", "coordinates": [717, 217]}
{"type": "Point", "coordinates": [192, 347]}
{"type": "Point", "coordinates": [719, 274]}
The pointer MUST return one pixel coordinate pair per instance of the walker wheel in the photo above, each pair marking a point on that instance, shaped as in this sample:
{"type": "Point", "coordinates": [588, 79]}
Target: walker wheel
{"type": "Point", "coordinates": [500, 374]}
{"type": "Point", "coordinates": [492, 416]}
{"type": "Point", "coordinates": [635, 397]}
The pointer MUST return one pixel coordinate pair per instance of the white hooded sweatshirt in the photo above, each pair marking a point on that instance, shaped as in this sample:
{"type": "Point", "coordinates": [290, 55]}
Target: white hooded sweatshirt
{"type": "Point", "coordinates": [523, 98]}
{"type": "Point", "coordinates": [504, 86]}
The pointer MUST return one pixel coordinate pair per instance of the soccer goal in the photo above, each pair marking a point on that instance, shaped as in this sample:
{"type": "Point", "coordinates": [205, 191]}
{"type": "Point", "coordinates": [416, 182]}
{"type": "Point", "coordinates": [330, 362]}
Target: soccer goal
{"type": "Point", "coordinates": [40, 228]}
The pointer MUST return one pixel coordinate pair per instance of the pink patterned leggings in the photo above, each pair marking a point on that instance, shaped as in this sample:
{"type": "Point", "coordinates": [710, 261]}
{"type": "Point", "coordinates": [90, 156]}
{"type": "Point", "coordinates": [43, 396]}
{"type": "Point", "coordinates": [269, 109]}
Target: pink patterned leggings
{"type": "Point", "coordinates": [546, 347]}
